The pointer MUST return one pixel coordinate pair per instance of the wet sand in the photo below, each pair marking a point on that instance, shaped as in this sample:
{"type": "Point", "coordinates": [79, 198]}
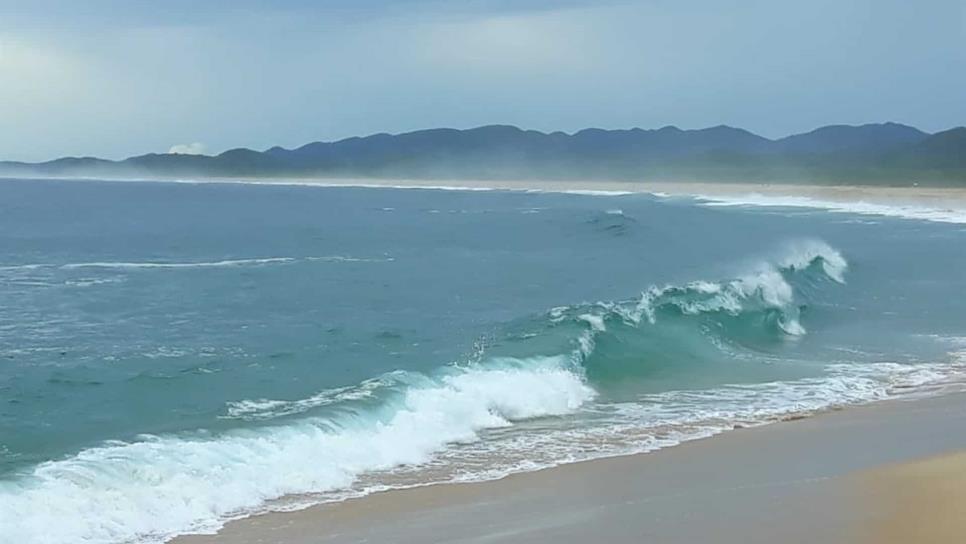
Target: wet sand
{"type": "Point", "coordinates": [923, 501]}
{"type": "Point", "coordinates": [816, 480]}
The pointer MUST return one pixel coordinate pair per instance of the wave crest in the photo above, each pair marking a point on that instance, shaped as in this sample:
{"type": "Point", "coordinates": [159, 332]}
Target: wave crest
{"type": "Point", "coordinates": [768, 289]}
{"type": "Point", "coordinates": [162, 486]}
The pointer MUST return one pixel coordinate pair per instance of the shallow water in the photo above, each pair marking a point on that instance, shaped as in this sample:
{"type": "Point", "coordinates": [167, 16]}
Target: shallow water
{"type": "Point", "coordinates": [173, 355]}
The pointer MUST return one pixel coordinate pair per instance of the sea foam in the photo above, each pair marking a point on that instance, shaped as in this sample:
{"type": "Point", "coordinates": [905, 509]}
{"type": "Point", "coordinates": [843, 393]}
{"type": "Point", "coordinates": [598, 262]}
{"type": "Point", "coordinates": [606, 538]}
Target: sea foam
{"type": "Point", "coordinates": [159, 486]}
{"type": "Point", "coordinates": [907, 211]}
{"type": "Point", "coordinates": [224, 263]}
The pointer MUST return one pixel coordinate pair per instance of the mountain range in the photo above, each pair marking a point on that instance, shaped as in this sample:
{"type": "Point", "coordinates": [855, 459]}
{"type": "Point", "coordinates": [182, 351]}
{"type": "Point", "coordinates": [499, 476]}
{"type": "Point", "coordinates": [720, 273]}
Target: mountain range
{"type": "Point", "coordinates": [887, 153]}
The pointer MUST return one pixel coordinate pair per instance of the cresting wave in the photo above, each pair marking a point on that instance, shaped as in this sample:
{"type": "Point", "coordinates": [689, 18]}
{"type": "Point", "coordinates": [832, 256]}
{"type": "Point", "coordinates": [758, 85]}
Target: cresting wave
{"type": "Point", "coordinates": [464, 421]}
{"type": "Point", "coordinates": [765, 291]}
{"type": "Point", "coordinates": [162, 486]}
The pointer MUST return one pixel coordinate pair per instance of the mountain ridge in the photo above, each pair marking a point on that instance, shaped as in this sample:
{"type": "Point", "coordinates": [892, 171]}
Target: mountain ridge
{"type": "Point", "coordinates": [871, 153]}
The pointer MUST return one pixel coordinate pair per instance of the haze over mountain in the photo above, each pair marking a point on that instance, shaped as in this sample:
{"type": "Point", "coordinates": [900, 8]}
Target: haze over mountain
{"type": "Point", "coordinates": [875, 153]}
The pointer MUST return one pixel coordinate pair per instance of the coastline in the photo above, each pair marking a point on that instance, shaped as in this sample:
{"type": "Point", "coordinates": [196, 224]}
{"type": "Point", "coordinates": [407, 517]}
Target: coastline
{"type": "Point", "coordinates": [931, 203]}
{"type": "Point", "coordinates": [817, 479]}
{"type": "Point", "coordinates": [943, 204]}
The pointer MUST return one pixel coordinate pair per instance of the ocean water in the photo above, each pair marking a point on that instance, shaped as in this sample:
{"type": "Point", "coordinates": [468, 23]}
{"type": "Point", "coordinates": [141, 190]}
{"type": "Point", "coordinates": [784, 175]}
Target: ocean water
{"type": "Point", "coordinates": [173, 356]}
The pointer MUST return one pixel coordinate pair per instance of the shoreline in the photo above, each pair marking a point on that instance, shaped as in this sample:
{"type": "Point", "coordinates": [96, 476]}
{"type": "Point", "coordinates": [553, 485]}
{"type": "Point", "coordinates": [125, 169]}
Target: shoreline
{"type": "Point", "coordinates": [800, 480]}
{"type": "Point", "coordinates": [930, 203]}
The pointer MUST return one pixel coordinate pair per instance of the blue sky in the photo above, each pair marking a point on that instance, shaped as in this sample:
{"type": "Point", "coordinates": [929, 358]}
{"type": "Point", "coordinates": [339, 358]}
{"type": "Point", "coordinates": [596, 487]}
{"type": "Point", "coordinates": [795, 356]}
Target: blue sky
{"type": "Point", "coordinates": [115, 78]}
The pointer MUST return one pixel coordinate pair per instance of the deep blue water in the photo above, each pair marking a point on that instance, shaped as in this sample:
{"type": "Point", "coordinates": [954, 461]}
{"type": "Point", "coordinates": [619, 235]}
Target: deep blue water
{"type": "Point", "coordinates": [175, 354]}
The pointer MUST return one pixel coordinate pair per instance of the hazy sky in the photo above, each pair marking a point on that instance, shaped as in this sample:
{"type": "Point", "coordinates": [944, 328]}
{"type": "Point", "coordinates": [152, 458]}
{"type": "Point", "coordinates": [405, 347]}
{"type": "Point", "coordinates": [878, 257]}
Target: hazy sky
{"type": "Point", "coordinates": [120, 77]}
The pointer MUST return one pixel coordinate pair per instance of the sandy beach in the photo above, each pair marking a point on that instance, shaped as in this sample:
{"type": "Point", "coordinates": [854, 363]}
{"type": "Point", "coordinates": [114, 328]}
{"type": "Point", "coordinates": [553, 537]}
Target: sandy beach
{"type": "Point", "coordinates": [853, 475]}
{"type": "Point", "coordinates": [921, 501]}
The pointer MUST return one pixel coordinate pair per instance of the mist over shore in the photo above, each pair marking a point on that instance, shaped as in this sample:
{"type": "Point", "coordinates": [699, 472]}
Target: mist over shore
{"type": "Point", "coordinates": [878, 154]}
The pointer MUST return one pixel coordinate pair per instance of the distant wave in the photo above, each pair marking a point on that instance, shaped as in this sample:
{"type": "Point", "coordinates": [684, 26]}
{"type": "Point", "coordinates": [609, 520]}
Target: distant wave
{"type": "Point", "coordinates": [226, 263]}
{"type": "Point", "coordinates": [470, 186]}
{"type": "Point", "coordinates": [926, 213]}
{"type": "Point", "coordinates": [910, 211]}
{"type": "Point", "coordinates": [199, 264]}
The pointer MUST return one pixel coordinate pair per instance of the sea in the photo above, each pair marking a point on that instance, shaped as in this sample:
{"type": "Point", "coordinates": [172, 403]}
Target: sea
{"type": "Point", "coordinates": [177, 355]}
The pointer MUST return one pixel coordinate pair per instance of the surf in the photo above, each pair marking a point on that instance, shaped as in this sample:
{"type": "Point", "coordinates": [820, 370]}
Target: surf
{"type": "Point", "coordinates": [539, 395]}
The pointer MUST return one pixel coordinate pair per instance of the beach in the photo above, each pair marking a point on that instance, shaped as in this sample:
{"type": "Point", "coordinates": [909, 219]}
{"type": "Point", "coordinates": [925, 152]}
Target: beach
{"type": "Point", "coordinates": [921, 501]}
{"type": "Point", "coordinates": [866, 474]}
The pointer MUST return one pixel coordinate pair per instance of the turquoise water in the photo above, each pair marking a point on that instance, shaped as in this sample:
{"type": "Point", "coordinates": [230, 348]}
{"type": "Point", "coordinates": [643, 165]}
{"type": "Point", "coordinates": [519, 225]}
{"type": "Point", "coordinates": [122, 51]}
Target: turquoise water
{"type": "Point", "coordinates": [175, 355]}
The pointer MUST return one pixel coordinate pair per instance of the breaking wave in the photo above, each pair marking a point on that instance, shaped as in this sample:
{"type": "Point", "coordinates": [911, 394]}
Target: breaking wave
{"type": "Point", "coordinates": [468, 421]}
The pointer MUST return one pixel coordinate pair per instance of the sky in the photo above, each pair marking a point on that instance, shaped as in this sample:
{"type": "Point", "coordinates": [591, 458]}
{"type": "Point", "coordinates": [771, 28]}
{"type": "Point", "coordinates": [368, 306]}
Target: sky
{"type": "Point", "coordinates": [114, 78]}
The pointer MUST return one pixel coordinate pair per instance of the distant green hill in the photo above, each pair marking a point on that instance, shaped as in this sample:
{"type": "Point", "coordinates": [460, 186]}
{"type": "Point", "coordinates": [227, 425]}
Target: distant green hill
{"type": "Point", "coordinates": [886, 153]}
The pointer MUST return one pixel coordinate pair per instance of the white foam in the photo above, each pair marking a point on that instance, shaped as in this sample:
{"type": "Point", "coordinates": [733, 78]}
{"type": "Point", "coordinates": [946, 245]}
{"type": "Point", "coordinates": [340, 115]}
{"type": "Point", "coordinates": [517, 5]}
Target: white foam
{"type": "Point", "coordinates": [596, 322]}
{"type": "Point", "coordinates": [764, 286]}
{"type": "Point", "coordinates": [586, 192]}
{"type": "Point", "coordinates": [759, 403]}
{"type": "Point", "coordinates": [260, 409]}
{"type": "Point", "coordinates": [469, 186]}
{"type": "Point", "coordinates": [22, 266]}
{"type": "Point", "coordinates": [908, 211]}
{"type": "Point", "coordinates": [199, 264]}
{"type": "Point", "coordinates": [801, 254]}
{"type": "Point", "coordinates": [666, 419]}
{"type": "Point", "coordinates": [225, 263]}
{"type": "Point", "coordinates": [347, 259]}
{"type": "Point", "coordinates": [89, 282]}
{"type": "Point", "coordinates": [149, 490]}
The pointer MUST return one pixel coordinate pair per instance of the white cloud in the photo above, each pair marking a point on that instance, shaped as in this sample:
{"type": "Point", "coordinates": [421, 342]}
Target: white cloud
{"type": "Point", "coordinates": [196, 148]}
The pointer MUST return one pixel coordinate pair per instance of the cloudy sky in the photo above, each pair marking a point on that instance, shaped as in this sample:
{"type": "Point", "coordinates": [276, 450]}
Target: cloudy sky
{"type": "Point", "coordinates": [119, 77]}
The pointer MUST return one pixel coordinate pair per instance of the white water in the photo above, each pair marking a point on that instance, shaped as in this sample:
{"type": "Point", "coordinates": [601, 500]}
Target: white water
{"type": "Point", "coordinates": [225, 263]}
{"type": "Point", "coordinates": [763, 287]}
{"type": "Point", "coordinates": [162, 486]}
{"type": "Point", "coordinates": [908, 211]}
